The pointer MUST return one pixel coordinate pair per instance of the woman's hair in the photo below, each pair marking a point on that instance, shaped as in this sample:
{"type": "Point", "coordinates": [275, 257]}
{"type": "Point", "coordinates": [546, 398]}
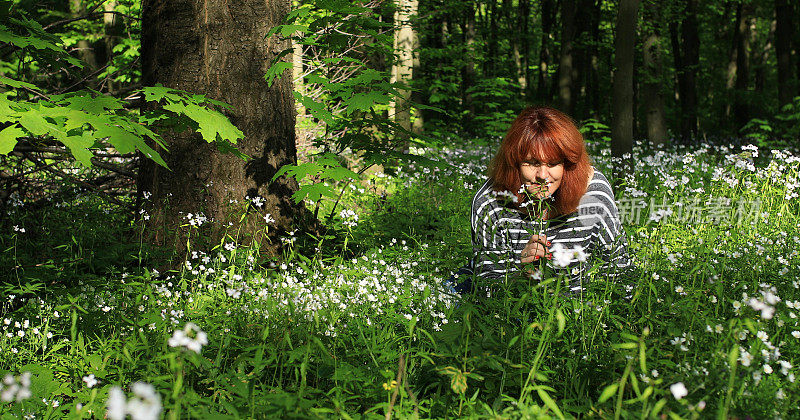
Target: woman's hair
{"type": "Point", "coordinates": [546, 135]}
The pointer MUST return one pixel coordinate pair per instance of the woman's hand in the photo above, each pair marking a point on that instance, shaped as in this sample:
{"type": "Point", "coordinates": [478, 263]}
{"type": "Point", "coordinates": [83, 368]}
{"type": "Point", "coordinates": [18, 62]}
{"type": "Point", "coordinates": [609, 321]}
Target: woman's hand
{"type": "Point", "coordinates": [536, 248]}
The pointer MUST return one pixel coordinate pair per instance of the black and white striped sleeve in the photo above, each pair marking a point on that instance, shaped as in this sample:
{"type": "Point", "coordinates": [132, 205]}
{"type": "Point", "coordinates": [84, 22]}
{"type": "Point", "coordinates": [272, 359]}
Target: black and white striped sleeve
{"type": "Point", "coordinates": [613, 244]}
{"type": "Point", "coordinates": [491, 241]}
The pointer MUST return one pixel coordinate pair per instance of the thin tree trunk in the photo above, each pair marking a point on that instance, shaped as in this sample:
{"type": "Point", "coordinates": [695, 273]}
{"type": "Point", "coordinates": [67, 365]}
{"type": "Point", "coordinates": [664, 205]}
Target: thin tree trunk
{"type": "Point", "coordinates": [653, 100]}
{"type": "Point", "coordinates": [624, 49]}
{"type": "Point", "coordinates": [85, 50]}
{"type": "Point", "coordinates": [686, 53]}
{"type": "Point", "coordinates": [762, 57]}
{"type": "Point", "coordinates": [730, 73]}
{"type": "Point", "coordinates": [221, 52]}
{"type": "Point", "coordinates": [520, 41]}
{"type": "Point", "coordinates": [582, 56]}
{"type": "Point", "coordinates": [783, 51]}
{"type": "Point", "coordinates": [691, 40]}
{"type": "Point", "coordinates": [112, 26]}
{"type": "Point", "coordinates": [491, 61]}
{"type": "Point", "coordinates": [740, 111]}
{"type": "Point", "coordinates": [565, 82]}
{"type": "Point", "coordinates": [593, 79]}
{"type": "Point", "coordinates": [405, 45]}
{"type": "Point", "coordinates": [548, 12]}
{"type": "Point", "coordinates": [468, 69]}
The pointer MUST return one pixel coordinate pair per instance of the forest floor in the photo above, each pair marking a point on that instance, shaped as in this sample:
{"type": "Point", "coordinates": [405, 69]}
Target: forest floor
{"type": "Point", "coordinates": [357, 324]}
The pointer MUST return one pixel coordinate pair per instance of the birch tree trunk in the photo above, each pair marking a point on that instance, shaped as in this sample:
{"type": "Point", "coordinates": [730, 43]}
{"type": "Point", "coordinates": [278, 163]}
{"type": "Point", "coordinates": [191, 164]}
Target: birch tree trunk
{"type": "Point", "coordinates": [405, 45]}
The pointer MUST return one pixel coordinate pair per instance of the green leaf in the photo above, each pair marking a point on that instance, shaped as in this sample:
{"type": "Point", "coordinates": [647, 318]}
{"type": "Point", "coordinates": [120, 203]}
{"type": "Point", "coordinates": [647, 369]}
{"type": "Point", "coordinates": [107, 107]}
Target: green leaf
{"type": "Point", "coordinates": [158, 93]}
{"type": "Point", "coordinates": [275, 71]}
{"type": "Point", "coordinates": [210, 123]}
{"type": "Point", "coordinates": [548, 401]}
{"type": "Point", "coordinates": [9, 137]}
{"type": "Point", "coordinates": [317, 109]}
{"type": "Point", "coordinates": [34, 122]}
{"type": "Point", "coordinates": [84, 101]}
{"type": "Point", "coordinates": [313, 192]}
{"type": "Point", "coordinates": [561, 321]}
{"type": "Point", "coordinates": [17, 84]}
{"type": "Point", "coordinates": [287, 30]}
{"type": "Point", "coordinates": [365, 101]}
{"type": "Point", "coordinates": [625, 345]}
{"type": "Point", "coordinates": [79, 146]}
{"type": "Point", "coordinates": [608, 392]}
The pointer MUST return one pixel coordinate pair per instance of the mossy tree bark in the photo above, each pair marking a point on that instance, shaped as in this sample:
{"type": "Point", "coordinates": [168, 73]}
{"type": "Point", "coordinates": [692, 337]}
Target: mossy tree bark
{"type": "Point", "coordinates": [221, 50]}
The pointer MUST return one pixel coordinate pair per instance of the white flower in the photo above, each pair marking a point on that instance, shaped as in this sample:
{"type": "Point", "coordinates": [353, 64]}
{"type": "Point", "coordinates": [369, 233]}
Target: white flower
{"type": "Point", "coordinates": [562, 257]}
{"type": "Point", "coordinates": [16, 388]}
{"type": "Point", "coordinates": [578, 254]}
{"type": "Point", "coordinates": [90, 380]}
{"type": "Point", "coordinates": [785, 366]}
{"type": "Point", "coordinates": [796, 334]}
{"type": "Point", "coordinates": [268, 218]}
{"type": "Point", "coordinates": [657, 215]}
{"type": "Point", "coordinates": [762, 335]}
{"type": "Point", "coordinates": [183, 338]}
{"type": "Point", "coordinates": [767, 369]}
{"type": "Point", "coordinates": [349, 218]}
{"type": "Point", "coordinates": [144, 405]}
{"type": "Point", "coordinates": [678, 390]}
{"type": "Point", "coordinates": [745, 357]}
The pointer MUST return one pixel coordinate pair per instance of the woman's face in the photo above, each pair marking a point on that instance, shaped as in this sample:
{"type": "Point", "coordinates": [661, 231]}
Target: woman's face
{"type": "Point", "coordinates": [541, 179]}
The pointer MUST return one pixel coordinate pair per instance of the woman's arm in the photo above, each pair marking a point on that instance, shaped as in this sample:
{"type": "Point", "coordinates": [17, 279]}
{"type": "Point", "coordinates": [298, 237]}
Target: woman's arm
{"type": "Point", "coordinates": [491, 243]}
{"type": "Point", "coordinates": [613, 249]}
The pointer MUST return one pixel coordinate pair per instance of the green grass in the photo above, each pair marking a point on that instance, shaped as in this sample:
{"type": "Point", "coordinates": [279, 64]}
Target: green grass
{"type": "Point", "coordinates": [363, 326]}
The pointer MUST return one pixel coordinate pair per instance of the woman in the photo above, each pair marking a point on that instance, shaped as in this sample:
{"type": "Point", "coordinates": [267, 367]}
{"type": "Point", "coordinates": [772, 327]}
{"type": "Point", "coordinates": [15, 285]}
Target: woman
{"type": "Point", "coordinates": [544, 200]}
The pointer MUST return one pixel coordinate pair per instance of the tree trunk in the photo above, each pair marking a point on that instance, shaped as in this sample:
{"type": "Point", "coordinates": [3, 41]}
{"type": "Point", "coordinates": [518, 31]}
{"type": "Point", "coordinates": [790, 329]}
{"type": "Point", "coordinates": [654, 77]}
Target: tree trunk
{"type": "Point", "coordinates": [490, 68]}
{"type": "Point", "coordinates": [762, 57]}
{"type": "Point", "coordinates": [112, 28]}
{"type": "Point", "coordinates": [686, 53]}
{"type": "Point", "coordinates": [468, 69]}
{"type": "Point", "coordinates": [222, 52]}
{"type": "Point", "coordinates": [593, 78]}
{"type": "Point", "coordinates": [85, 50]}
{"type": "Point", "coordinates": [548, 17]}
{"type": "Point", "coordinates": [624, 49]}
{"type": "Point", "coordinates": [565, 82]}
{"type": "Point", "coordinates": [783, 51]}
{"type": "Point", "coordinates": [582, 56]}
{"type": "Point", "coordinates": [652, 98]}
{"type": "Point", "coordinates": [740, 111]}
{"type": "Point", "coordinates": [730, 73]}
{"type": "Point", "coordinates": [520, 42]}
{"type": "Point", "coordinates": [405, 45]}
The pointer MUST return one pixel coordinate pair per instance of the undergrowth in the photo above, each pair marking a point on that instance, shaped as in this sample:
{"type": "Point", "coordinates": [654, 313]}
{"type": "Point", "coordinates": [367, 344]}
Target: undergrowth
{"type": "Point", "coordinates": [358, 324]}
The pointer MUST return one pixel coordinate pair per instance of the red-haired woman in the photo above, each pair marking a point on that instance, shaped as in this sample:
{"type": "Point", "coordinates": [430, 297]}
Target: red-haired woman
{"type": "Point", "coordinates": [544, 200]}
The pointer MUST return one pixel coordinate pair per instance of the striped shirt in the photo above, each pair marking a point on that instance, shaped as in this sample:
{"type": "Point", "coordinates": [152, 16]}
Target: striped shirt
{"type": "Point", "coordinates": [500, 233]}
